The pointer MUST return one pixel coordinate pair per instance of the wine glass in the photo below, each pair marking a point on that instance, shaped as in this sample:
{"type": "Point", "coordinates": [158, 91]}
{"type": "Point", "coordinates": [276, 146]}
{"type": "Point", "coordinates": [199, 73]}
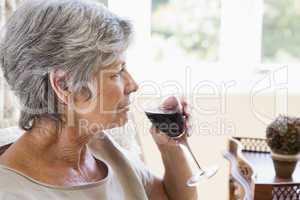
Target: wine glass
{"type": "Point", "coordinates": [170, 120]}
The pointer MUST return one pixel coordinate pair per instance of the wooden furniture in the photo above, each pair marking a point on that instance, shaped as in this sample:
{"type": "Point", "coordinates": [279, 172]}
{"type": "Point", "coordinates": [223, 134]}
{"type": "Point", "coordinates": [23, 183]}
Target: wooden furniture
{"type": "Point", "coordinates": [252, 174]}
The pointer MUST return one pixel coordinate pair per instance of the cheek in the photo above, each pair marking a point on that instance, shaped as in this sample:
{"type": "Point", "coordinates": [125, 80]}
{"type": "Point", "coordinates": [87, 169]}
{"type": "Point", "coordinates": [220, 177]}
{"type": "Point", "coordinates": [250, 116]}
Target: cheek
{"type": "Point", "coordinates": [104, 109]}
{"type": "Point", "coordinates": [112, 95]}
{"type": "Point", "coordinates": [111, 100]}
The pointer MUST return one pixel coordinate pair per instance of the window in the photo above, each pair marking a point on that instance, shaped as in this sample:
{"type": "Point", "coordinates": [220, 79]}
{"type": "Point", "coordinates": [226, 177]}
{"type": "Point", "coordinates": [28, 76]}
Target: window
{"type": "Point", "coordinates": [185, 29]}
{"type": "Point", "coordinates": [281, 31]}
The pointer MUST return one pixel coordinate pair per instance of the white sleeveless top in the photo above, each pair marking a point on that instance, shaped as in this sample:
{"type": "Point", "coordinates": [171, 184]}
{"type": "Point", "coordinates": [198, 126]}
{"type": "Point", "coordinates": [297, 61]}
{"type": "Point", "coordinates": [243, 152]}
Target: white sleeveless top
{"type": "Point", "coordinates": [128, 179]}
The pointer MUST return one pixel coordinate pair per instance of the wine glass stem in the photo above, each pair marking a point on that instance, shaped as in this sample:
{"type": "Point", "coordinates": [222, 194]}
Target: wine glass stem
{"type": "Point", "coordinates": [193, 156]}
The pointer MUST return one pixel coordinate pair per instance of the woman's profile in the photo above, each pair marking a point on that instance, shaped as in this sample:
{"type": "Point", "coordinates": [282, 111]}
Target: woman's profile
{"type": "Point", "coordinates": [65, 62]}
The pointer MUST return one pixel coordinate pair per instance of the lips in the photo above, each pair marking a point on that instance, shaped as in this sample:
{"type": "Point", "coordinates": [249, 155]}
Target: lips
{"type": "Point", "coordinates": [124, 107]}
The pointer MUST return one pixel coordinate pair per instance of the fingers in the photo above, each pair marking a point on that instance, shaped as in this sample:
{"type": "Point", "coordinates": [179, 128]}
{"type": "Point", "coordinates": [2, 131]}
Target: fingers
{"type": "Point", "coordinates": [187, 114]}
{"type": "Point", "coordinates": [183, 101]}
{"type": "Point", "coordinates": [153, 130]}
{"type": "Point", "coordinates": [161, 138]}
{"type": "Point", "coordinates": [184, 105]}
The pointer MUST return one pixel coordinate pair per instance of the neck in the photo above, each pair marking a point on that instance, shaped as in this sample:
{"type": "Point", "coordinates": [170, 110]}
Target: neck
{"type": "Point", "coordinates": [64, 147]}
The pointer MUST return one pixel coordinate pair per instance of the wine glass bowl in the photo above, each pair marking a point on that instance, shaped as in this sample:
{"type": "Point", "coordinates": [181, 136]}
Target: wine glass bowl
{"type": "Point", "coordinates": [171, 121]}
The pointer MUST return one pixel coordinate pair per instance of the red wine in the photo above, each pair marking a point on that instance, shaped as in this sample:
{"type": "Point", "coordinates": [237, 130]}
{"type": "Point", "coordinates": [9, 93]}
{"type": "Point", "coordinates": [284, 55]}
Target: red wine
{"type": "Point", "coordinates": [169, 122]}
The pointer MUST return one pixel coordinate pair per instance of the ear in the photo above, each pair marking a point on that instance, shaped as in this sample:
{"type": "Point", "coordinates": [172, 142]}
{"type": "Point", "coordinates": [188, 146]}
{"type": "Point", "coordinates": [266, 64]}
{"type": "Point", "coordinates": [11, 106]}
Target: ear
{"type": "Point", "coordinates": [58, 80]}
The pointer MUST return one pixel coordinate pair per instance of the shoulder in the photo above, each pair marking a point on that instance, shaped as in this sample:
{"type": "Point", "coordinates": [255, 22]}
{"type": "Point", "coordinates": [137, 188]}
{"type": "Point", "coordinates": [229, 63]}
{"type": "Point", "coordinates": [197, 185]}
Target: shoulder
{"type": "Point", "coordinates": [8, 177]}
{"type": "Point", "coordinates": [14, 195]}
{"type": "Point", "coordinates": [9, 181]}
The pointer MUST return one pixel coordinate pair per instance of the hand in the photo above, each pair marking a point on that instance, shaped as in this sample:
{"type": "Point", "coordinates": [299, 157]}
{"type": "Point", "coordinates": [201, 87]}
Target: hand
{"type": "Point", "coordinates": [161, 139]}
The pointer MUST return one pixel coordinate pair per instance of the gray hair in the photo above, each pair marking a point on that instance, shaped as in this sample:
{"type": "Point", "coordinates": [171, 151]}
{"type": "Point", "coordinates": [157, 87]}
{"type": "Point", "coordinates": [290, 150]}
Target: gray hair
{"type": "Point", "coordinates": [76, 36]}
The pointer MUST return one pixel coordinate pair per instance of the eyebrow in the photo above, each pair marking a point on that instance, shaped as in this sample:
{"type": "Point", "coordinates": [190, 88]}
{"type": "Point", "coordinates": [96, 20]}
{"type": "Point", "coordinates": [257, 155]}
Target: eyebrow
{"type": "Point", "coordinates": [121, 64]}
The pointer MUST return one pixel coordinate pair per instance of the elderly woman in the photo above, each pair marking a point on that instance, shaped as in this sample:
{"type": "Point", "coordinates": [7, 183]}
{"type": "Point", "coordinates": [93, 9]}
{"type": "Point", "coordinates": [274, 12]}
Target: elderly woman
{"type": "Point", "coordinates": [64, 60]}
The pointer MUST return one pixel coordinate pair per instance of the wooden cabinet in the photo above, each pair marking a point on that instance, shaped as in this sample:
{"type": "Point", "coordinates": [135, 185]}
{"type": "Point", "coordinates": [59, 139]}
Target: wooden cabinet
{"type": "Point", "coordinates": [252, 174]}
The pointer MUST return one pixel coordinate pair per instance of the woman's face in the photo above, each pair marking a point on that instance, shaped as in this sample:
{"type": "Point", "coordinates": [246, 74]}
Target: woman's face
{"type": "Point", "coordinates": [109, 108]}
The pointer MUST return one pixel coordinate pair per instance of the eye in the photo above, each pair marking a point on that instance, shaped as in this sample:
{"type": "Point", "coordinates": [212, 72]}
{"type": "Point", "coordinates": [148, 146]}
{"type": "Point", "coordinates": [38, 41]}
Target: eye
{"type": "Point", "coordinates": [118, 74]}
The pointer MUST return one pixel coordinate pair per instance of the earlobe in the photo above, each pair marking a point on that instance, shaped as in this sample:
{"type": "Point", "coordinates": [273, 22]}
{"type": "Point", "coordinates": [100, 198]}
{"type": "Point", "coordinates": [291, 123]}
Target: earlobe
{"type": "Point", "coordinates": [58, 84]}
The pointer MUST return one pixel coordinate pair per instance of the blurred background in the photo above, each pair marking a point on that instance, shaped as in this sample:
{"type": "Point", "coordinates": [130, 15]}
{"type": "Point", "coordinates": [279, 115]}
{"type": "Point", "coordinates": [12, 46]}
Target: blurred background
{"type": "Point", "coordinates": [237, 63]}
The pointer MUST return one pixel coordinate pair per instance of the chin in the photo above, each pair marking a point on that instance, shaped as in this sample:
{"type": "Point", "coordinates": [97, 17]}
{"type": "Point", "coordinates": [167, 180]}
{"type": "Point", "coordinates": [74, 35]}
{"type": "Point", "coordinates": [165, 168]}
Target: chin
{"type": "Point", "coordinates": [121, 121]}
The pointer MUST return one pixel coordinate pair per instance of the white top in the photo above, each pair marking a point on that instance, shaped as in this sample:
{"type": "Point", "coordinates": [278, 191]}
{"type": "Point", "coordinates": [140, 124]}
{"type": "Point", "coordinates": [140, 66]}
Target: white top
{"type": "Point", "coordinates": [128, 179]}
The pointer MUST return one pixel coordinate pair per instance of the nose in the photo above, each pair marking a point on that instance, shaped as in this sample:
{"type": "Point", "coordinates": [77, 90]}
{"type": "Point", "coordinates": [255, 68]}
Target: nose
{"type": "Point", "coordinates": [132, 86]}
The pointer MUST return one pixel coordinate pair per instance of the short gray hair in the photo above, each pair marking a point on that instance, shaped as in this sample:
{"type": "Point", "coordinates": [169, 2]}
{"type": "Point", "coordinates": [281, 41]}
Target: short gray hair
{"type": "Point", "coordinates": [76, 36]}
